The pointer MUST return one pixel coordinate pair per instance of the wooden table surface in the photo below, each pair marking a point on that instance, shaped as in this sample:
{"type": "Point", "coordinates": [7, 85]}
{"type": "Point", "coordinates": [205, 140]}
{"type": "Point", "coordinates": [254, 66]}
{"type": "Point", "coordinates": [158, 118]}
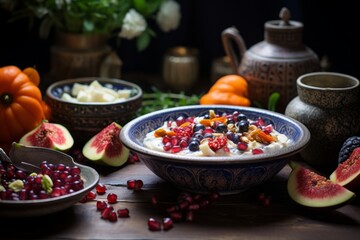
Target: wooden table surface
{"type": "Point", "coordinates": [239, 216]}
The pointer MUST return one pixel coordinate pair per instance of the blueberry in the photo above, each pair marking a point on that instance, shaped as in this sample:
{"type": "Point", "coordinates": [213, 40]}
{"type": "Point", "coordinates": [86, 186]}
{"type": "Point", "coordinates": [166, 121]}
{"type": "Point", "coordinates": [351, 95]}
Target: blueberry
{"type": "Point", "coordinates": [194, 146]}
{"type": "Point", "coordinates": [241, 117]}
{"type": "Point", "coordinates": [198, 127]}
{"type": "Point", "coordinates": [235, 139]}
{"type": "Point", "coordinates": [243, 126]}
{"type": "Point", "coordinates": [208, 135]}
{"type": "Point", "coordinates": [221, 128]}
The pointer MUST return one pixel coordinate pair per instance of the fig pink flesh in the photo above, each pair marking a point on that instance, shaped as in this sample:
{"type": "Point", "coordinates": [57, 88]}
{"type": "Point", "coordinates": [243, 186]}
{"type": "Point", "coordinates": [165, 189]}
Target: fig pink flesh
{"type": "Point", "coordinates": [46, 135]}
{"type": "Point", "coordinates": [315, 186]}
{"type": "Point", "coordinates": [107, 139]}
{"type": "Point", "coordinates": [350, 167]}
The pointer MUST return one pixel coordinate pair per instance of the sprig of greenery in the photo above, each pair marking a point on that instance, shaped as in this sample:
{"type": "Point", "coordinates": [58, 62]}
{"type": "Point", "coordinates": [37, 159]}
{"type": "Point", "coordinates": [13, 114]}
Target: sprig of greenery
{"type": "Point", "coordinates": [157, 100]}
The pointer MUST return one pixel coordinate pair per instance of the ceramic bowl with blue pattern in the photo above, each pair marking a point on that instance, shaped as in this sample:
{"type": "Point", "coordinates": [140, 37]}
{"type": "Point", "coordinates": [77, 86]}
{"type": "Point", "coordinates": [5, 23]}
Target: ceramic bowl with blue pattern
{"type": "Point", "coordinates": [223, 174]}
{"type": "Point", "coordinates": [85, 119]}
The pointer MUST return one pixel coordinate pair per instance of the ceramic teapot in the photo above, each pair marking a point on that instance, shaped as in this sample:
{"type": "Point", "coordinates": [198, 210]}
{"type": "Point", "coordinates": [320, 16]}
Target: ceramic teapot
{"type": "Point", "coordinates": [274, 64]}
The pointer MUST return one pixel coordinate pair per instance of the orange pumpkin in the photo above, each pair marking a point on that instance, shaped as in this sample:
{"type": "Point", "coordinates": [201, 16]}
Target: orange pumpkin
{"type": "Point", "coordinates": [21, 104]}
{"type": "Point", "coordinates": [230, 89]}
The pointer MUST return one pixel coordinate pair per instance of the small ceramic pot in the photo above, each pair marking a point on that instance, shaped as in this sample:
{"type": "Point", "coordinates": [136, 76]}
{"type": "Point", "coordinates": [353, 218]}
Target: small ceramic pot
{"type": "Point", "coordinates": [328, 104]}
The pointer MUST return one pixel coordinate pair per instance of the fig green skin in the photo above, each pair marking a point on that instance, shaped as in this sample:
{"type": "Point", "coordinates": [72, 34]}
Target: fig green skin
{"type": "Point", "coordinates": [49, 135]}
{"type": "Point", "coordinates": [347, 174]}
{"type": "Point", "coordinates": [325, 194]}
{"type": "Point", "coordinates": [105, 148]}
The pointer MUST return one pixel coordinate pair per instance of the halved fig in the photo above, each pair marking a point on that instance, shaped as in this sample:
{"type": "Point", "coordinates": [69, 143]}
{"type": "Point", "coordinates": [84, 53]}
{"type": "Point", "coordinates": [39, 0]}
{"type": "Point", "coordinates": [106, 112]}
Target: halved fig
{"type": "Point", "coordinates": [49, 135]}
{"type": "Point", "coordinates": [347, 174]}
{"type": "Point", "coordinates": [310, 189]}
{"type": "Point", "coordinates": [106, 148]}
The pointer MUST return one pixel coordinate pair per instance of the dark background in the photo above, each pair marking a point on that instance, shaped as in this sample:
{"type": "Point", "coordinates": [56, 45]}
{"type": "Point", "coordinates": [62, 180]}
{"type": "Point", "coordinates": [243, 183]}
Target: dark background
{"type": "Point", "coordinates": [330, 29]}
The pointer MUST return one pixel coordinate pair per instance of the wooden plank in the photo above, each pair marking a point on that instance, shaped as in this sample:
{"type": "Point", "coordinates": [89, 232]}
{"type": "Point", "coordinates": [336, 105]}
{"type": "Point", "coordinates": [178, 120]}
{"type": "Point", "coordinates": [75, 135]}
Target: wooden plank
{"type": "Point", "coordinates": [238, 216]}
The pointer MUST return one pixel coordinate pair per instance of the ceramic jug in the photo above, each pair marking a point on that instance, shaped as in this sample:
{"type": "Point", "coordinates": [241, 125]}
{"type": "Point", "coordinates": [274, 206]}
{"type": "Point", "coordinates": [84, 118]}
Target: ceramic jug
{"type": "Point", "coordinates": [274, 64]}
{"type": "Point", "coordinates": [328, 105]}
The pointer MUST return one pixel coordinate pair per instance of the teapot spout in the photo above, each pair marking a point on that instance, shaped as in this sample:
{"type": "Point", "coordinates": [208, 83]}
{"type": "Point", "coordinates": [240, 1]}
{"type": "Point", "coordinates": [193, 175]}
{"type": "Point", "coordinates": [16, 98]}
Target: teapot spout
{"type": "Point", "coordinates": [231, 36]}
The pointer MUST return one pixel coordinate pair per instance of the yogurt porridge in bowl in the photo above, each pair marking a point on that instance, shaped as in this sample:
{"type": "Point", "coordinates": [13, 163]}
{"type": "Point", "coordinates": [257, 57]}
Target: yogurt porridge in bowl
{"type": "Point", "coordinates": [227, 149]}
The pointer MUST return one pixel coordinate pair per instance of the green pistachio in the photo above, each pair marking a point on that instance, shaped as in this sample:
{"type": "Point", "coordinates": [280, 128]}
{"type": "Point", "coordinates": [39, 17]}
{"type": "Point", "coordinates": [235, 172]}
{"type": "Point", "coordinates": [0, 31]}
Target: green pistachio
{"type": "Point", "coordinates": [16, 185]}
{"type": "Point", "coordinates": [47, 183]}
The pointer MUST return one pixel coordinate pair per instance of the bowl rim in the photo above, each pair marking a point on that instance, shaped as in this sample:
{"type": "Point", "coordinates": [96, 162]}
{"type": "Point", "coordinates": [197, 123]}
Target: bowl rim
{"type": "Point", "coordinates": [71, 81]}
{"type": "Point", "coordinates": [291, 150]}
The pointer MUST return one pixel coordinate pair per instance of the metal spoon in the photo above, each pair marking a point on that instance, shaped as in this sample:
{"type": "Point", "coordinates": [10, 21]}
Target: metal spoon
{"type": "Point", "coordinates": [29, 158]}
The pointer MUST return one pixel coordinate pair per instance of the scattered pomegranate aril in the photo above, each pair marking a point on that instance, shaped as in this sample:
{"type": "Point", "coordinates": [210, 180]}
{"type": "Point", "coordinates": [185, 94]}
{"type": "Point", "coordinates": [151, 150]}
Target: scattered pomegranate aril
{"type": "Point", "coordinates": [123, 213]}
{"type": "Point", "coordinates": [90, 196]}
{"type": "Point", "coordinates": [264, 199]}
{"type": "Point", "coordinates": [176, 216]}
{"type": "Point", "coordinates": [101, 205]}
{"type": "Point", "coordinates": [138, 185]}
{"type": "Point", "coordinates": [100, 189]}
{"type": "Point", "coordinates": [112, 198]}
{"type": "Point", "coordinates": [135, 184]}
{"type": "Point", "coordinates": [154, 225]}
{"type": "Point", "coordinates": [167, 223]}
{"type": "Point", "coordinates": [106, 212]}
{"type": "Point", "coordinates": [112, 216]}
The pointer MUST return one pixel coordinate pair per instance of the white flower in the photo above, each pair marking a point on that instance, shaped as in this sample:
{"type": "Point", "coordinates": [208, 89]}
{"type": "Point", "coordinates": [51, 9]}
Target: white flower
{"type": "Point", "coordinates": [134, 25]}
{"type": "Point", "coordinates": [169, 16]}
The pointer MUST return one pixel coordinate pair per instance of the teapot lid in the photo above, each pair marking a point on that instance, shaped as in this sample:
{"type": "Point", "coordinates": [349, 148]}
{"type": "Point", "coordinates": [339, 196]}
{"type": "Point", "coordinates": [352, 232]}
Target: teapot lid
{"type": "Point", "coordinates": [284, 32]}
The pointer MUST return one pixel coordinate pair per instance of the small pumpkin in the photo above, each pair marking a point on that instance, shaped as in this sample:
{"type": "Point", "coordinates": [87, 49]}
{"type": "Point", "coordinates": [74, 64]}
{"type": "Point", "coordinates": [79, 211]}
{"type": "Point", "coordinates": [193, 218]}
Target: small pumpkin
{"type": "Point", "coordinates": [230, 89]}
{"type": "Point", "coordinates": [21, 105]}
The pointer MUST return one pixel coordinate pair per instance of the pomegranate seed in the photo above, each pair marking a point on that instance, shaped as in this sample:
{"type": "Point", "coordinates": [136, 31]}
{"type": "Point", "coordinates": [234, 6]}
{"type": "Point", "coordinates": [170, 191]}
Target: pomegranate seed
{"type": "Point", "coordinates": [138, 185]}
{"type": "Point", "coordinates": [112, 216]}
{"type": "Point", "coordinates": [91, 195]}
{"type": "Point", "coordinates": [176, 216]}
{"type": "Point", "coordinates": [130, 184]}
{"type": "Point", "coordinates": [100, 189]}
{"type": "Point", "coordinates": [242, 146]}
{"type": "Point", "coordinates": [264, 199]}
{"type": "Point", "coordinates": [176, 149]}
{"type": "Point", "coordinates": [167, 146]}
{"type": "Point", "coordinates": [180, 120]}
{"type": "Point", "coordinates": [194, 206]}
{"type": "Point", "coordinates": [112, 198]}
{"type": "Point", "coordinates": [106, 212]}
{"type": "Point", "coordinates": [154, 225]}
{"type": "Point", "coordinates": [257, 151]}
{"type": "Point", "coordinates": [123, 213]}
{"type": "Point", "coordinates": [167, 223]}
{"type": "Point", "coordinates": [101, 205]}
{"type": "Point", "coordinates": [184, 205]}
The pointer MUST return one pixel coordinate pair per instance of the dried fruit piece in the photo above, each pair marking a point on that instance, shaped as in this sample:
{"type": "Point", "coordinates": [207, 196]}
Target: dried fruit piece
{"type": "Point", "coordinates": [347, 174]}
{"type": "Point", "coordinates": [310, 189]}
{"type": "Point", "coordinates": [49, 135]}
{"type": "Point", "coordinates": [106, 148]}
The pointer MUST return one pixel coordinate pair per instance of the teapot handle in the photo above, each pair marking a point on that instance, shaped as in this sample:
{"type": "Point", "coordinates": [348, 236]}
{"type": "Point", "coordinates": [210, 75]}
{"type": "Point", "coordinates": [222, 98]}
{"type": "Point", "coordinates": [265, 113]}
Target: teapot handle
{"type": "Point", "coordinates": [232, 34]}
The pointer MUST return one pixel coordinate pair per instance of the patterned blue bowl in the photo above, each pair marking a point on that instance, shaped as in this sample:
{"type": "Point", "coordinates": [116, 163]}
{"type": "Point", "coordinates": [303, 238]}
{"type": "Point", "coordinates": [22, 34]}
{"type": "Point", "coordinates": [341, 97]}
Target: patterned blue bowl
{"type": "Point", "coordinates": [85, 119]}
{"type": "Point", "coordinates": [225, 174]}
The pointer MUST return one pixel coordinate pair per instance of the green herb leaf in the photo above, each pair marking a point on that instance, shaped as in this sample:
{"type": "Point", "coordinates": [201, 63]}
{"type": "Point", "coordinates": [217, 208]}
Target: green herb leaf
{"type": "Point", "coordinates": [273, 99]}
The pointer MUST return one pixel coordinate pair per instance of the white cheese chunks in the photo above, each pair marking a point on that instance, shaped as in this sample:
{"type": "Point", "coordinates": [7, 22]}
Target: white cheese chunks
{"type": "Point", "coordinates": [95, 92]}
